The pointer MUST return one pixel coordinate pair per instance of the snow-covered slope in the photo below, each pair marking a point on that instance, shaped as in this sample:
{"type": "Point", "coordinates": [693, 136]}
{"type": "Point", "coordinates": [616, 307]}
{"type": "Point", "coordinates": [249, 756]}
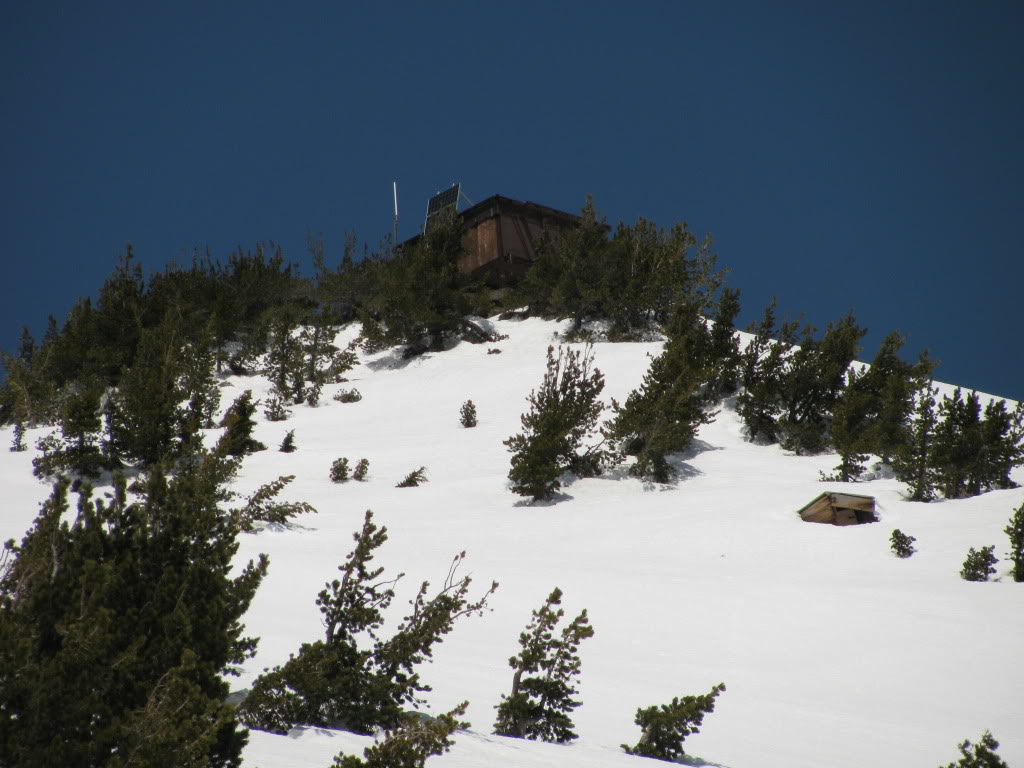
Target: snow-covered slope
{"type": "Point", "coordinates": [834, 652]}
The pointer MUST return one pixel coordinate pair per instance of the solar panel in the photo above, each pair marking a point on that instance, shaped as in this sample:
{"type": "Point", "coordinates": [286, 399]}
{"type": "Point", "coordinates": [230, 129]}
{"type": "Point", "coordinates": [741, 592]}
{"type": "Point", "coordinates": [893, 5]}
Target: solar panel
{"type": "Point", "coordinates": [441, 202]}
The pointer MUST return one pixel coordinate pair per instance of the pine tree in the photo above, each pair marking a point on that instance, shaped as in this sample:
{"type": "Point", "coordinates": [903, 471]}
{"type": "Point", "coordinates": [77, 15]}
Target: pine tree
{"type": "Point", "coordinates": [18, 437]}
{"type": "Point", "coordinates": [563, 413]}
{"type": "Point", "coordinates": [414, 478]}
{"type": "Point", "coordinates": [662, 416]}
{"type": "Point", "coordinates": [145, 410]}
{"type": "Point", "coordinates": [725, 344]}
{"type": "Point", "coordinates": [467, 414]}
{"type": "Point", "coordinates": [411, 743]}
{"type": "Point", "coordinates": [814, 376]}
{"type": "Point", "coordinates": [546, 676]}
{"type": "Point", "coordinates": [901, 544]}
{"type": "Point", "coordinates": [762, 366]}
{"type": "Point", "coordinates": [237, 439]}
{"type": "Point", "coordinates": [980, 755]}
{"type": "Point", "coordinates": [354, 678]}
{"type": "Point", "coordinates": [199, 382]}
{"type": "Point", "coordinates": [913, 462]}
{"type": "Point", "coordinates": [1015, 531]}
{"type": "Point", "coordinates": [288, 444]}
{"type": "Point", "coordinates": [665, 728]}
{"type": "Point", "coordinates": [979, 564]}
{"type": "Point", "coordinates": [339, 471]}
{"type": "Point", "coordinates": [361, 470]}
{"type": "Point", "coordinates": [118, 626]}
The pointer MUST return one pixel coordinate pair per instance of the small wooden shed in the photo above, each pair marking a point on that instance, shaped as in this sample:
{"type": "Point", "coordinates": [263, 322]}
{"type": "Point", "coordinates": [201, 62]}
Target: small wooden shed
{"type": "Point", "coordinates": [840, 509]}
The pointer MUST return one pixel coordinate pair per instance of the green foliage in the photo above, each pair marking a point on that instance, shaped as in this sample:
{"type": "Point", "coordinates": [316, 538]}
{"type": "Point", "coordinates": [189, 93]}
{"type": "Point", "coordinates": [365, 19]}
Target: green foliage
{"type": "Point", "coordinates": [422, 296]}
{"type": "Point", "coordinates": [545, 680]}
{"type": "Point", "coordinates": [288, 444]}
{"type": "Point", "coordinates": [18, 437]}
{"type": "Point", "coordinates": [339, 470]}
{"type": "Point", "coordinates": [814, 376]}
{"type": "Point", "coordinates": [1015, 532]}
{"type": "Point", "coordinates": [662, 416]}
{"type": "Point", "coordinates": [118, 625]}
{"type": "Point", "coordinates": [277, 406]}
{"type": "Point", "coordinates": [912, 462]}
{"type": "Point", "coordinates": [263, 506]}
{"type": "Point", "coordinates": [361, 470]}
{"type": "Point", "coordinates": [639, 276]}
{"type": "Point", "coordinates": [901, 544]}
{"type": "Point", "coordinates": [237, 439]}
{"type": "Point", "coordinates": [979, 564]}
{"type": "Point", "coordinates": [563, 413]}
{"type": "Point", "coordinates": [975, 451]}
{"type": "Point", "coordinates": [665, 728]}
{"type": "Point", "coordinates": [354, 678]}
{"type": "Point", "coordinates": [762, 366]}
{"type": "Point", "coordinates": [467, 414]}
{"type": "Point", "coordinates": [146, 416]}
{"type": "Point", "coordinates": [414, 478]}
{"type": "Point", "coordinates": [199, 382]}
{"type": "Point", "coordinates": [980, 755]}
{"type": "Point", "coordinates": [410, 744]}
{"type": "Point", "coordinates": [348, 395]}
{"type": "Point", "coordinates": [77, 451]}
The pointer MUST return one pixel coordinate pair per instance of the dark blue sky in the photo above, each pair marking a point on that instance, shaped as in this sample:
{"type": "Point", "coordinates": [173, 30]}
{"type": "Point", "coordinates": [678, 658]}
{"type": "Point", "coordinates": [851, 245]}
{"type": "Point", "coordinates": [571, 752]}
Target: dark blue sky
{"type": "Point", "coordinates": [866, 158]}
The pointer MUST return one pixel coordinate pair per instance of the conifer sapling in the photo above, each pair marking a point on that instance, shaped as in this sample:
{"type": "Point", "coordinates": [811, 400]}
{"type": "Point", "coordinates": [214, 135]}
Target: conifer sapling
{"type": "Point", "coordinates": [467, 414]}
{"type": "Point", "coordinates": [339, 471]}
{"type": "Point", "coordinates": [362, 467]}
{"type": "Point", "coordinates": [288, 444]}
{"type": "Point", "coordinates": [666, 727]}
{"type": "Point", "coordinates": [546, 676]}
{"type": "Point", "coordinates": [979, 564]}
{"type": "Point", "coordinates": [902, 545]}
{"type": "Point", "coordinates": [414, 478]}
{"type": "Point", "coordinates": [1015, 531]}
{"type": "Point", "coordinates": [980, 755]}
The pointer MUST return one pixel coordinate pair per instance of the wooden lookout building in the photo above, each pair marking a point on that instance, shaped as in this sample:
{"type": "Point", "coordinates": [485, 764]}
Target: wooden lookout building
{"type": "Point", "coordinates": [840, 509]}
{"type": "Point", "coordinates": [502, 235]}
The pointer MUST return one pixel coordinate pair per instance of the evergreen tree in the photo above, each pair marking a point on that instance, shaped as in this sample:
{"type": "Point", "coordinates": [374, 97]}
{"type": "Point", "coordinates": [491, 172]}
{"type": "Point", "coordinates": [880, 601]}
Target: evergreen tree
{"type": "Point", "coordinates": [902, 545]}
{"type": "Point", "coordinates": [467, 414]}
{"type": "Point", "coordinates": [410, 744]}
{"type": "Point", "coordinates": [340, 681]}
{"type": "Point", "coordinates": [1015, 531]}
{"type": "Point", "coordinates": [913, 462]}
{"type": "Point", "coordinates": [284, 362]}
{"type": "Point", "coordinates": [1002, 447]}
{"type": "Point", "coordinates": [665, 728]}
{"type": "Point", "coordinates": [762, 366]}
{"type": "Point", "coordinates": [199, 383]}
{"type": "Point", "coordinates": [563, 413]}
{"type": "Point", "coordinates": [362, 468]}
{"type": "Point", "coordinates": [288, 444]}
{"type": "Point", "coordinates": [980, 755]}
{"type": "Point", "coordinates": [979, 564]}
{"type": "Point", "coordinates": [277, 406]}
{"type": "Point", "coordinates": [78, 451]}
{"type": "Point", "coordinates": [957, 443]}
{"type": "Point", "coordinates": [339, 471]}
{"type": "Point", "coordinates": [725, 345]}
{"type": "Point", "coordinates": [814, 377]}
{"type": "Point", "coordinates": [237, 439]}
{"type": "Point", "coordinates": [662, 416]}
{"type": "Point", "coordinates": [546, 676]}
{"type": "Point", "coordinates": [18, 437]}
{"type": "Point", "coordinates": [117, 627]}
{"type": "Point", "coordinates": [414, 478]}
{"type": "Point", "coordinates": [145, 410]}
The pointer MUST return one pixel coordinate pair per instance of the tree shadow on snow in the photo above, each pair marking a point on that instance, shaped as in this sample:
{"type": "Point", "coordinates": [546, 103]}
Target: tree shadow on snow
{"type": "Point", "coordinates": [698, 762]}
{"type": "Point", "coordinates": [550, 501]}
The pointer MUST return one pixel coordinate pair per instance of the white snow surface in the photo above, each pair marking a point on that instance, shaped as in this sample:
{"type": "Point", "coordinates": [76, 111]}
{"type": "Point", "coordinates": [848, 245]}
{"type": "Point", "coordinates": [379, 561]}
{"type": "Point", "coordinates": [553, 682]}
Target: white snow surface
{"type": "Point", "coordinates": [834, 652]}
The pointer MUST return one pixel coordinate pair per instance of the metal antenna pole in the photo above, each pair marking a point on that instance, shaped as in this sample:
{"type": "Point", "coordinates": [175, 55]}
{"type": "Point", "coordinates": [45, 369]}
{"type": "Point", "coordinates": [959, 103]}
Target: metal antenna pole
{"type": "Point", "coordinates": [394, 190]}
